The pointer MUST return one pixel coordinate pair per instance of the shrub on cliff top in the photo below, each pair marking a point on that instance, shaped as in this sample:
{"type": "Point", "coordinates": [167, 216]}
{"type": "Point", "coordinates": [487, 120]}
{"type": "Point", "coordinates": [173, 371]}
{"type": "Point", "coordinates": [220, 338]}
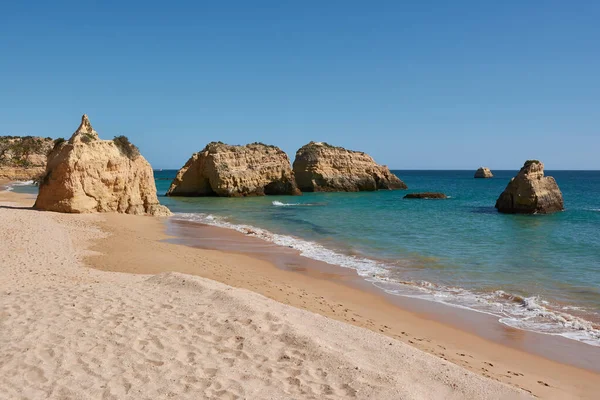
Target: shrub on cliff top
{"type": "Point", "coordinates": [126, 147]}
{"type": "Point", "coordinates": [57, 144]}
{"type": "Point", "coordinates": [270, 146]}
{"type": "Point", "coordinates": [88, 137]}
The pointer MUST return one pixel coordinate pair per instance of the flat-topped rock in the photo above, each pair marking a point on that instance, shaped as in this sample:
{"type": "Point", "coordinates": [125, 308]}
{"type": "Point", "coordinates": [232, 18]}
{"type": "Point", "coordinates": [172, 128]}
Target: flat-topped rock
{"type": "Point", "coordinates": [86, 174]}
{"type": "Point", "coordinates": [483, 172]}
{"type": "Point", "coordinates": [530, 192]}
{"type": "Point", "coordinates": [426, 195]}
{"type": "Point", "coordinates": [320, 167]}
{"type": "Point", "coordinates": [223, 170]}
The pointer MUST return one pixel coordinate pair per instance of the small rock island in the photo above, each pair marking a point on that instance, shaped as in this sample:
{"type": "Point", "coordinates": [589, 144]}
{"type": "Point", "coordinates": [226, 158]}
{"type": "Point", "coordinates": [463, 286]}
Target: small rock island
{"type": "Point", "coordinates": [483, 172]}
{"type": "Point", "coordinates": [426, 195]}
{"type": "Point", "coordinates": [223, 170]}
{"type": "Point", "coordinates": [530, 192]}
{"type": "Point", "coordinates": [86, 174]}
{"type": "Point", "coordinates": [321, 167]}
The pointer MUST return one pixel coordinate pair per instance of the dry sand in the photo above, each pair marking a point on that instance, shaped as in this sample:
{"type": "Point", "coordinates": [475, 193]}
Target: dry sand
{"type": "Point", "coordinates": [67, 331]}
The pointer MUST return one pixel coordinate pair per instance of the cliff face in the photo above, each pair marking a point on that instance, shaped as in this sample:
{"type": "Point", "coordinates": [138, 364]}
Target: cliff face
{"type": "Point", "coordinates": [530, 192]}
{"type": "Point", "coordinates": [23, 158]}
{"type": "Point", "coordinates": [320, 167]}
{"type": "Point", "coordinates": [87, 174]}
{"type": "Point", "coordinates": [231, 171]}
{"type": "Point", "coordinates": [483, 172]}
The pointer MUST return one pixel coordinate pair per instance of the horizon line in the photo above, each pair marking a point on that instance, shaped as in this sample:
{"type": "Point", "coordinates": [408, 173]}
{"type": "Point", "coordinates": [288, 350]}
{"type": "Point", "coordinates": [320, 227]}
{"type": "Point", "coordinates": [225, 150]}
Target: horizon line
{"type": "Point", "coordinates": [439, 169]}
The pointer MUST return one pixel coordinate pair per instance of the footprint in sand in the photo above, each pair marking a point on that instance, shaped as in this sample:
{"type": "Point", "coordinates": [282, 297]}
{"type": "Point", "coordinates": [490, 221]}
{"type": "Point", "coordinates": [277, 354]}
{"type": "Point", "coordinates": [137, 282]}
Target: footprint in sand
{"type": "Point", "coordinates": [155, 363]}
{"type": "Point", "coordinates": [36, 375]}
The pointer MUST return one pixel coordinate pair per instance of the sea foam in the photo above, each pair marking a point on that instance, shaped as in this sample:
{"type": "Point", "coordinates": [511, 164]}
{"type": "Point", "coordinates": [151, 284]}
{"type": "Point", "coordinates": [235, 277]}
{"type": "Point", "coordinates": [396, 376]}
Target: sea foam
{"type": "Point", "coordinates": [22, 183]}
{"type": "Point", "coordinates": [11, 186]}
{"type": "Point", "coordinates": [280, 204]}
{"type": "Point", "coordinates": [363, 266]}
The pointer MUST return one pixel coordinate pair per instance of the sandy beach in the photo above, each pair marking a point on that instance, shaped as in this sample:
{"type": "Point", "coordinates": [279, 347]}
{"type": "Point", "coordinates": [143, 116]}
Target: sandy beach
{"type": "Point", "coordinates": [155, 319]}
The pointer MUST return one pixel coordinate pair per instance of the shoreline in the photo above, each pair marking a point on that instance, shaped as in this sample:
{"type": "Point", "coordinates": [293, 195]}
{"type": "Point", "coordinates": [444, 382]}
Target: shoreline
{"type": "Point", "coordinates": [553, 347]}
{"type": "Point", "coordinates": [142, 245]}
{"type": "Point", "coordinates": [531, 305]}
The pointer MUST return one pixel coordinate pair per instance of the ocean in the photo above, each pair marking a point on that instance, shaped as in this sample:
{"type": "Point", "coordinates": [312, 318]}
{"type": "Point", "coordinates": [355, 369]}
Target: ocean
{"type": "Point", "coordinates": [534, 272]}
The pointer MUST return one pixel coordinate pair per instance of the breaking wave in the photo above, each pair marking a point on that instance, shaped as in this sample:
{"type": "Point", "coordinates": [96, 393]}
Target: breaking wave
{"type": "Point", "coordinates": [11, 186]}
{"type": "Point", "coordinates": [280, 204]}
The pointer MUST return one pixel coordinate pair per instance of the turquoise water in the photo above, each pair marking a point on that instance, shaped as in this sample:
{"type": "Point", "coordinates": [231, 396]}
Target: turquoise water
{"type": "Point", "coordinates": [534, 272]}
{"type": "Point", "coordinates": [21, 187]}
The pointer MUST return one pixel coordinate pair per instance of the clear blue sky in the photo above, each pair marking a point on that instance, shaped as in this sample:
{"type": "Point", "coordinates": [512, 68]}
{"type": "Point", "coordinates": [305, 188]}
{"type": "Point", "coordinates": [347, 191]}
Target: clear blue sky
{"type": "Point", "coordinates": [417, 84]}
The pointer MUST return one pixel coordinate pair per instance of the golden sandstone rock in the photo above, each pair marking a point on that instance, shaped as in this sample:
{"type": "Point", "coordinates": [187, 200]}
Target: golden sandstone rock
{"type": "Point", "coordinates": [530, 192]}
{"type": "Point", "coordinates": [483, 172]}
{"type": "Point", "coordinates": [87, 174]}
{"type": "Point", "coordinates": [231, 171]}
{"type": "Point", "coordinates": [320, 167]}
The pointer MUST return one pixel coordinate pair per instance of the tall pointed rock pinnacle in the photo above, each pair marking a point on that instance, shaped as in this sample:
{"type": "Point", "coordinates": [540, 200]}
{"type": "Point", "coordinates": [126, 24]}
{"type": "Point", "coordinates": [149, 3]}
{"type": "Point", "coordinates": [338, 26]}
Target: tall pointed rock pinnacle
{"type": "Point", "coordinates": [85, 128]}
{"type": "Point", "coordinates": [88, 175]}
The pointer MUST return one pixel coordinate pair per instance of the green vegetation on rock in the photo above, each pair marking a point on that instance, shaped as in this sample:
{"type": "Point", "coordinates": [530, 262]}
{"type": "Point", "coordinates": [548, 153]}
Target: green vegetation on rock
{"type": "Point", "coordinates": [23, 151]}
{"type": "Point", "coordinates": [126, 147]}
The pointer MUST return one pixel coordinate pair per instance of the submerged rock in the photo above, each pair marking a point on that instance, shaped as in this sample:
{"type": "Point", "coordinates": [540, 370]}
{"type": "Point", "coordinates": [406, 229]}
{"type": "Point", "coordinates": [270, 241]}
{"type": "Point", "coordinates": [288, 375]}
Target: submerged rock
{"type": "Point", "coordinates": [86, 174]}
{"type": "Point", "coordinates": [530, 192]}
{"type": "Point", "coordinates": [483, 172]}
{"type": "Point", "coordinates": [426, 195]}
{"type": "Point", "coordinates": [232, 171]}
{"type": "Point", "coordinates": [320, 167]}
{"type": "Point", "coordinates": [23, 158]}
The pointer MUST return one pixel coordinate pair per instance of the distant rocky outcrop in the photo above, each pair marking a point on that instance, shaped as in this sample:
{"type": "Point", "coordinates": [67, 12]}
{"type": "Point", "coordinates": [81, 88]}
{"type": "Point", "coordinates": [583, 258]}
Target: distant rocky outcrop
{"type": "Point", "coordinates": [86, 174]}
{"type": "Point", "coordinates": [23, 158]}
{"type": "Point", "coordinates": [530, 192]}
{"type": "Point", "coordinates": [320, 167]}
{"type": "Point", "coordinates": [222, 170]}
{"type": "Point", "coordinates": [483, 172]}
{"type": "Point", "coordinates": [426, 195]}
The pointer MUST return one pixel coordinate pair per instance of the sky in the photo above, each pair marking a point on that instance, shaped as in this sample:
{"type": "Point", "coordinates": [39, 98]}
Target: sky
{"type": "Point", "coordinates": [416, 84]}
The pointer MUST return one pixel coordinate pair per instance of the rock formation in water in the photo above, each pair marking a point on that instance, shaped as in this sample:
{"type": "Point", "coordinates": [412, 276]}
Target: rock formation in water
{"type": "Point", "coordinates": [426, 195]}
{"type": "Point", "coordinates": [86, 174]}
{"type": "Point", "coordinates": [23, 158]}
{"type": "Point", "coordinates": [483, 172]}
{"type": "Point", "coordinates": [530, 192]}
{"type": "Point", "coordinates": [320, 167]}
{"type": "Point", "coordinates": [233, 171]}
